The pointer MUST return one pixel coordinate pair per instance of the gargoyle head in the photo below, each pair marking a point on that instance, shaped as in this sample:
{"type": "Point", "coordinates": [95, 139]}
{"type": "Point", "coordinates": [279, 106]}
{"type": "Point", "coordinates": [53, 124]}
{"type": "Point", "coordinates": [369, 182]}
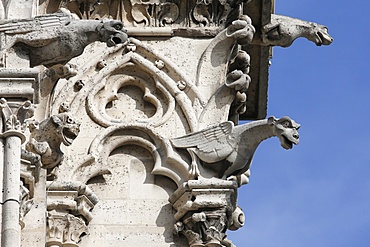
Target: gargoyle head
{"type": "Point", "coordinates": [283, 30]}
{"type": "Point", "coordinates": [286, 130]}
{"type": "Point", "coordinates": [67, 127]}
{"type": "Point", "coordinates": [112, 32]}
{"type": "Point", "coordinates": [320, 35]}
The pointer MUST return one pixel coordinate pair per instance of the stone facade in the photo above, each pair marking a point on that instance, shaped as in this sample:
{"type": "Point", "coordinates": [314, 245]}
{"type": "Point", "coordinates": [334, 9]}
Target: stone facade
{"type": "Point", "coordinates": [119, 119]}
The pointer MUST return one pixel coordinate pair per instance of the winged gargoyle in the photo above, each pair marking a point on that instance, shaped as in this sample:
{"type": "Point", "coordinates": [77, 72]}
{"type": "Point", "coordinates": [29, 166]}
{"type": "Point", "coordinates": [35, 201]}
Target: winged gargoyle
{"type": "Point", "coordinates": [47, 136]}
{"type": "Point", "coordinates": [229, 149]}
{"type": "Point", "coordinates": [283, 30]}
{"type": "Point", "coordinates": [57, 38]}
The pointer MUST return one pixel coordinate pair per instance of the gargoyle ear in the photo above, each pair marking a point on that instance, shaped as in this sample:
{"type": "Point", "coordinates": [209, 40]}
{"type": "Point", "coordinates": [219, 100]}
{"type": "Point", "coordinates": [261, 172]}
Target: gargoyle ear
{"type": "Point", "coordinates": [271, 120]}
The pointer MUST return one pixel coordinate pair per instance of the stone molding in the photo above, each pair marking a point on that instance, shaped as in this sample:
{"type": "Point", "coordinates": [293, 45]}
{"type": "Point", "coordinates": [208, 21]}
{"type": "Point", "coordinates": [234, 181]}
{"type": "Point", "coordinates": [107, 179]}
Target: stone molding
{"type": "Point", "coordinates": [179, 17]}
{"type": "Point", "coordinates": [138, 92]}
{"type": "Point", "coordinates": [69, 206]}
{"type": "Point", "coordinates": [205, 210]}
{"type": "Point", "coordinates": [64, 230]}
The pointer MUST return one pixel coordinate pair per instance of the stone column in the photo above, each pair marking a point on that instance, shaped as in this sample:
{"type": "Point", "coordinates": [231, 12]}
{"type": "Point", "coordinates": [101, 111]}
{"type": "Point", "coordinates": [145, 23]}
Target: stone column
{"type": "Point", "coordinates": [1, 171]}
{"type": "Point", "coordinates": [12, 138]}
{"type": "Point", "coordinates": [10, 225]}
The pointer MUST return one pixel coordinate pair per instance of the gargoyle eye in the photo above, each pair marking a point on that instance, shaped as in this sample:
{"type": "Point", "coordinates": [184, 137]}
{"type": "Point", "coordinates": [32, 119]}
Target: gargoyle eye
{"type": "Point", "coordinates": [118, 26]}
{"type": "Point", "coordinates": [286, 124]}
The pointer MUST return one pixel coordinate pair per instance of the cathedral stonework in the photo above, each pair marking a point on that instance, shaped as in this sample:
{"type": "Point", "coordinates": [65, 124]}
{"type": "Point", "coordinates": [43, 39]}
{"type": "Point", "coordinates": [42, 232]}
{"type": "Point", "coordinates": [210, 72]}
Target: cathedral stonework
{"type": "Point", "coordinates": [119, 120]}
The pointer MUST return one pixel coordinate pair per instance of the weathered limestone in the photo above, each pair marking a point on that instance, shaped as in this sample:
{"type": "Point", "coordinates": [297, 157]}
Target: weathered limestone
{"type": "Point", "coordinates": [233, 146]}
{"type": "Point", "coordinates": [12, 123]}
{"type": "Point", "coordinates": [135, 142]}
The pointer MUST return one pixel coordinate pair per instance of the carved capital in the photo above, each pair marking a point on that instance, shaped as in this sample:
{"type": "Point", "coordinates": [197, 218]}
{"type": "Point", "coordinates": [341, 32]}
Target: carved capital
{"type": "Point", "coordinates": [64, 230]}
{"type": "Point", "coordinates": [69, 208]}
{"type": "Point", "coordinates": [13, 116]}
{"type": "Point", "coordinates": [205, 210]}
{"type": "Point", "coordinates": [71, 197]}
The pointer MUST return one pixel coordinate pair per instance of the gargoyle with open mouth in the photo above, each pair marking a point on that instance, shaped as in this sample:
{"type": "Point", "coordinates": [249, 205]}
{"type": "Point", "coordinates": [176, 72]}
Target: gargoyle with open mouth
{"type": "Point", "coordinates": [47, 136]}
{"type": "Point", "coordinates": [53, 39]}
{"type": "Point", "coordinates": [229, 149]}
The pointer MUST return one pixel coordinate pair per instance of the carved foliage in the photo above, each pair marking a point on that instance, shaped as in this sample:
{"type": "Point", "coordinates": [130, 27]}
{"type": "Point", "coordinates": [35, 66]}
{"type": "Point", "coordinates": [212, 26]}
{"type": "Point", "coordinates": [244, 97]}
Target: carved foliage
{"type": "Point", "coordinates": [205, 210]}
{"type": "Point", "coordinates": [69, 208]}
{"type": "Point", "coordinates": [204, 228]}
{"type": "Point", "coordinates": [64, 230]}
{"type": "Point", "coordinates": [13, 115]}
{"type": "Point", "coordinates": [155, 13]}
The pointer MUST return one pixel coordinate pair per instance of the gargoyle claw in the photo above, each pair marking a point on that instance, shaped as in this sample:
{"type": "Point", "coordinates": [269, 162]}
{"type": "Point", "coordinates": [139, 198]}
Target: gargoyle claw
{"type": "Point", "coordinates": [194, 171]}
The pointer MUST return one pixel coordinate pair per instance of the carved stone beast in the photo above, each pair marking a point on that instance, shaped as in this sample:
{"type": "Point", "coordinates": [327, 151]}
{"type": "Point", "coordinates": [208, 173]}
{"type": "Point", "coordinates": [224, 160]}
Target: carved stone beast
{"type": "Point", "coordinates": [47, 136]}
{"type": "Point", "coordinates": [229, 149]}
{"type": "Point", "coordinates": [57, 38]}
{"type": "Point", "coordinates": [283, 30]}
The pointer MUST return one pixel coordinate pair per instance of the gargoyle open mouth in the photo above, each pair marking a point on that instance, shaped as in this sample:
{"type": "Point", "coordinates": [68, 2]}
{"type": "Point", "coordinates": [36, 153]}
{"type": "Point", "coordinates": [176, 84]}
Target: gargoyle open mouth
{"type": "Point", "coordinates": [69, 136]}
{"type": "Point", "coordinates": [323, 38]}
{"type": "Point", "coordinates": [286, 143]}
{"type": "Point", "coordinates": [118, 38]}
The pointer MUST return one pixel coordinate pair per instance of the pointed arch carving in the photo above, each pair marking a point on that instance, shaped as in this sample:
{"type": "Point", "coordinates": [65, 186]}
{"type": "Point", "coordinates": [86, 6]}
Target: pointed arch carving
{"type": "Point", "coordinates": [166, 162]}
{"type": "Point", "coordinates": [161, 82]}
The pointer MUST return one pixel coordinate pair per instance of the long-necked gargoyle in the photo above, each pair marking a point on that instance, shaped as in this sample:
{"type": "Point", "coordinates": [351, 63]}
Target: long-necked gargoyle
{"type": "Point", "coordinates": [57, 38]}
{"type": "Point", "coordinates": [229, 149]}
{"type": "Point", "coordinates": [283, 30]}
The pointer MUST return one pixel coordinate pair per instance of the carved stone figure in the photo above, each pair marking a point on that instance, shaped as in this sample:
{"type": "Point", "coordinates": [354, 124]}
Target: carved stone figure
{"type": "Point", "coordinates": [229, 149]}
{"type": "Point", "coordinates": [47, 137]}
{"type": "Point", "coordinates": [283, 30]}
{"type": "Point", "coordinates": [57, 38]}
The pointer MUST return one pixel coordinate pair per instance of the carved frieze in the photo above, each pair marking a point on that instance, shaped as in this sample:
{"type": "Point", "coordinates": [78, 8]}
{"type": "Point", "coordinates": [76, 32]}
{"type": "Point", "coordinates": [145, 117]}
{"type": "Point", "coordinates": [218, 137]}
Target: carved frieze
{"type": "Point", "coordinates": [183, 17]}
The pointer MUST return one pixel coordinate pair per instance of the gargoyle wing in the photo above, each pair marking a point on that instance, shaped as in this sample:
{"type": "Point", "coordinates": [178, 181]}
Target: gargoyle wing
{"type": "Point", "coordinates": [205, 140]}
{"type": "Point", "coordinates": [23, 26]}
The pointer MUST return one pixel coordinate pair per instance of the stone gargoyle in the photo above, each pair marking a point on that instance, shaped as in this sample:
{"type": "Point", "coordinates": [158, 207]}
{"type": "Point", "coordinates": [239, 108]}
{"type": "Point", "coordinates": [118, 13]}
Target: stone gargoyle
{"type": "Point", "coordinates": [229, 149]}
{"type": "Point", "coordinates": [47, 136]}
{"type": "Point", "coordinates": [283, 30]}
{"type": "Point", "coordinates": [57, 38]}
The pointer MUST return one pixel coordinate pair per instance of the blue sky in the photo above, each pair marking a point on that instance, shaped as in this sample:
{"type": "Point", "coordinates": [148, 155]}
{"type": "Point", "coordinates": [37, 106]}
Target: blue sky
{"type": "Point", "coordinates": [318, 193]}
